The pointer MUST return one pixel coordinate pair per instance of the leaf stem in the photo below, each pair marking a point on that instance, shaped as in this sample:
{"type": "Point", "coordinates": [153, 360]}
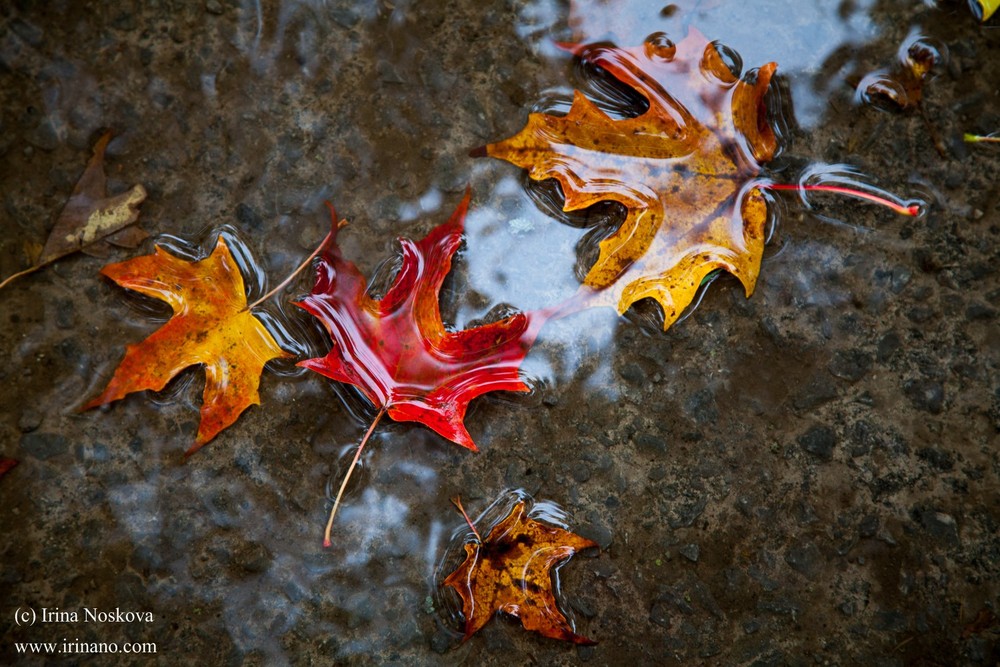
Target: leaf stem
{"type": "Point", "coordinates": [10, 278]}
{"type": "Point", "coordinates": [304, 264]}
{"type": "Point", "coordinates": [910, 210]}
{"type": "Point", "coordinates": [457, 502]}
{"type": "Point", "coordinates": [978, 138]}
{"type": "Point", "coordinates": [347, 477]}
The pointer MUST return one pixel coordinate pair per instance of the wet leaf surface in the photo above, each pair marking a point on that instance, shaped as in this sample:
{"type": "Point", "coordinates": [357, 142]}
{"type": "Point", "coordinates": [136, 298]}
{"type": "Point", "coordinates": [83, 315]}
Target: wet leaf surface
{"type": "Point", "coordinates": [514, 571]}
{"type": "Point", "coordinates": [984, 9]}
{"type": "Point", "coordinates": [902, 87]}
{"type": "Point", "coordinates": [681, 169]}
{"type": "Point", "coordinates": [657, 443]}
{"type": "Point", "coordinates": [397, 351]}
{"type": "Point", "coordinates": [210, 326]}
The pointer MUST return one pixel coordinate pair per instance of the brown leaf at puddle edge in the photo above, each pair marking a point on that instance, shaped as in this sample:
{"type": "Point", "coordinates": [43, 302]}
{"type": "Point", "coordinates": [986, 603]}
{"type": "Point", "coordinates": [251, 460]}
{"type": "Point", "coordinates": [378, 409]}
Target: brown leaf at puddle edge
{"type": "Point", "coordinates": [91, 216]}
{"type": "Point", "coordinates": [513, 570]}
{"type": "Point", "coordinates": [902, 87]}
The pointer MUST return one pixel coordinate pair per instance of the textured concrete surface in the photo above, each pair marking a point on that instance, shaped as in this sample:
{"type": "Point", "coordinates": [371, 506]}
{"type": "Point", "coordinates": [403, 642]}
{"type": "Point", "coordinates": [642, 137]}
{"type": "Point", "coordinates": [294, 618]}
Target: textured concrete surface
{"type": "Point", "coordinates": [808, 476]}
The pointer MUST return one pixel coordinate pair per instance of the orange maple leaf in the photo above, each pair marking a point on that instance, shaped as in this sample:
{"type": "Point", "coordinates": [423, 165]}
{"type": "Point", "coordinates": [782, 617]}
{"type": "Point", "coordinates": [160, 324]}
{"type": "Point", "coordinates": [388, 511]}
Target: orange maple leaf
{"type": "Point", "coordinates": [681, 169]}
{"type": "Point", "coordinates": [513, 570]}
{"type": "Point", "coordinates": [211, 325]}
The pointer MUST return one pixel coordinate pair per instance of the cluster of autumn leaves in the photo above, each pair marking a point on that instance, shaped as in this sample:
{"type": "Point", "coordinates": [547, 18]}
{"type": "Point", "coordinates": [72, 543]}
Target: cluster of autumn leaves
{"type": "Point", "coordinates": [684, 171]}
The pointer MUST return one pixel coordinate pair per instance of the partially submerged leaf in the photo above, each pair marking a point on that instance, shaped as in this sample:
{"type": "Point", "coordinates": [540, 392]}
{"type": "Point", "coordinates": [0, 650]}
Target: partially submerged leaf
{"type": "Point", "coordinates": [91, 216]}
{"type": "Point", "coordinates": [211, 325]}
{"type": "Point", "coordinates": [681, 169]}
{"type": "Point", "coordinates": [397, 351]}
{"type": "Point", "coordinates": [902, 87]}
{"type": "Point", "coordinates": [514, 571]}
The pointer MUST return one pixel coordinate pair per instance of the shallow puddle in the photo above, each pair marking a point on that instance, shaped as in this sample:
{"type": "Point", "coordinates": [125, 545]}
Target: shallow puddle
{"type": "Point", "coordinates": [807, 474]}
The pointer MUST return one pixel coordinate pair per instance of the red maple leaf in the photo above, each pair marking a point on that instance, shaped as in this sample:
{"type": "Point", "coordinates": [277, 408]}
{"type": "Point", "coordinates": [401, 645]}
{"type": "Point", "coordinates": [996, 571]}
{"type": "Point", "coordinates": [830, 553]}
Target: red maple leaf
{"type": "Point", "coordinates": [396, 350]}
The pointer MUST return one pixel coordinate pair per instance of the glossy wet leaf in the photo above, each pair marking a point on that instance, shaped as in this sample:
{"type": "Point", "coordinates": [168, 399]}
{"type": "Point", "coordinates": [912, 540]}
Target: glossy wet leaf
{"type": "Point", "coordinates": [90, 216]}
{"type": "Point", "coordinates": [210, 326]}
{"type": "Point", "coordinates": [984, 9]}
{"type": "Point", "coordinates": [6, 465]}
{"type": "Point", "coordinates": [397, 351]}
{"type": "Point", "coordinates": [681, 169]}
{"type": "Point", "coordinates": [514, 571]}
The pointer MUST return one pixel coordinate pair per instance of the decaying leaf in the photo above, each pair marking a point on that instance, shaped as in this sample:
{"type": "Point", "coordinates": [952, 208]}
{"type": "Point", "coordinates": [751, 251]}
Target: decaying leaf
{"type": "Point", "coordinates": [211, 325]}
{"type": "Point", "coordinates": [397, 351]}
{"type": "Point", "coordinates": [91, 216]}
{"type": "Point", "coordinates": [6, 465]}
{"type": "Point", "coordinates": [514, 570]}
{"type": "Point", "coordinates": [682, 170]}
{"type": "Point", "coordinates": [901, 87]}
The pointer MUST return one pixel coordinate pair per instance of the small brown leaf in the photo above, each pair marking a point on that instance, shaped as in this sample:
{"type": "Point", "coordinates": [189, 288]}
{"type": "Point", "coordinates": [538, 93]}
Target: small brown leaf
{"type": "Point", "coordinates": [513, 570]}
{"type": "Point", "coordinates": [91, 216]}
{"type": "Point", "coordinates": [901, 87]}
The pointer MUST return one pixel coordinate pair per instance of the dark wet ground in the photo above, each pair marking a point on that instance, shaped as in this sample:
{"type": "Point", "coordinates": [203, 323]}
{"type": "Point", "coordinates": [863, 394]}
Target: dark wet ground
{"type": "Point", "coordinates": [807, 476]}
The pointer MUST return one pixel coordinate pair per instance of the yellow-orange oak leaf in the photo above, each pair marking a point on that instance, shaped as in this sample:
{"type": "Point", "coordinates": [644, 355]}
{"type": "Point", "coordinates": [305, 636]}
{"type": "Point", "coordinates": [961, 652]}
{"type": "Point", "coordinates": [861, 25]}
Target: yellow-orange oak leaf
{"type": "Point", "coordinates": [513, 570]}
{"type": "Point", "coordinates": [210, 326]}
{"type": "Point", "coordinates": [682, 169]}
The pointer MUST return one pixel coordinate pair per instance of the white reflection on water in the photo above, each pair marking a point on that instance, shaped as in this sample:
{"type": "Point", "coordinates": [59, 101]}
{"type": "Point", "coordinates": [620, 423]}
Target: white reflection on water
{"type": "Point", "coordinates": [377, 520]}
{"type": "Point", "coordinates": [801, 41]}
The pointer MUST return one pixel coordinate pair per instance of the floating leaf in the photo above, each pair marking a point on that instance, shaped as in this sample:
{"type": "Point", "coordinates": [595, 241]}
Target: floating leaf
{"type": "Point", "coordinates": [396, 350]}
{"type": "Point", "coordinates": [514, 570]}
{"type": "Point", "coordinates": [681, 169]}
{"type": "Point", "coordinates": [211, 325]}
{"type": "Point", "coordinates": [902, 87]}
